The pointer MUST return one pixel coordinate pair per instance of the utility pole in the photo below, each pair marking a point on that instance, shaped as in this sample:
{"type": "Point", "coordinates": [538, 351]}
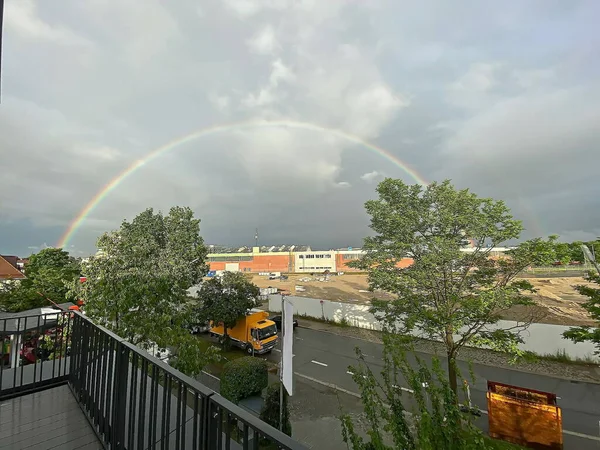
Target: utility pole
{"type": "Point", "coordinates": [1, 20]}
{"type": "Point", "coordinates": [281, 388]}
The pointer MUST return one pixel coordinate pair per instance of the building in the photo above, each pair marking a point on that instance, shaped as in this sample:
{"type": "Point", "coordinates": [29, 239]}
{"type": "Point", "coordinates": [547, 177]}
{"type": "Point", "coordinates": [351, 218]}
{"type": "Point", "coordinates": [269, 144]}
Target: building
{"type": "Point", "coordinates": [8, 271]}
{"type": "Point", "coordinates": [296, 259]}
{"type": "Point", "coordinates": [288, 259]}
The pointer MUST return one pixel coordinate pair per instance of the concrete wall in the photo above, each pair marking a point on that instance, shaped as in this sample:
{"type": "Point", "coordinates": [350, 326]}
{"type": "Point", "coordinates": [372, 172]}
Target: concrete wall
{"type": "Point", "coordinates": [539, 338]}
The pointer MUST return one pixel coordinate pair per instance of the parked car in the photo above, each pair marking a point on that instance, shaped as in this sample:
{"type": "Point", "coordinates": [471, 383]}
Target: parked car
{"type": "Point", "coordinates": [277, 320]}
{"type": "Point", "coordinates": [199, 328]}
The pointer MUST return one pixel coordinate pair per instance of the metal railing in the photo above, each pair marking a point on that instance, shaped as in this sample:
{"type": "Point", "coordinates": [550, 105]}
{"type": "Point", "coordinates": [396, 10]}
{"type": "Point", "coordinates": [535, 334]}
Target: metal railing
{"type": "Point", "coordinates": [131, 399]}
{"type": "Point", "coordinates": [34, 351]}
{"type": "Point", "coordinates": [134, 400]}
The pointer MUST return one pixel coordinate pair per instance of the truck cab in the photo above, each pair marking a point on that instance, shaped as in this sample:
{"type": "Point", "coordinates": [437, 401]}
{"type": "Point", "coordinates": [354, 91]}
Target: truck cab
{"type": "Point", "coordinates": [253, 332]}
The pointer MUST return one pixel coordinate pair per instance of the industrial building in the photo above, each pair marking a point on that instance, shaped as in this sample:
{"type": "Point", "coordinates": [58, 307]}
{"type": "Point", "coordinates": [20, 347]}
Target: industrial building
{"type": "Point", "coordinates": [294, 259]}
{"type": "Point", "coordinates": [287, 259]}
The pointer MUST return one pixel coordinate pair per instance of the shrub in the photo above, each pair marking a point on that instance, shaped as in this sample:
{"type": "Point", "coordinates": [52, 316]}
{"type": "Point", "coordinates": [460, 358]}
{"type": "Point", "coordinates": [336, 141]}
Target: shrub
{"type": "Point", "coordinates": [270, 410]}
{"type": "Point", "coordinates": [243, 377]}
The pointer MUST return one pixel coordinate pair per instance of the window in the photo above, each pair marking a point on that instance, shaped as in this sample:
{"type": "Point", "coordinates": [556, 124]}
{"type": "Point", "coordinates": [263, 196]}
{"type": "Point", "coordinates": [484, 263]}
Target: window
{"type": "Point", "coordinates": [301, 256]}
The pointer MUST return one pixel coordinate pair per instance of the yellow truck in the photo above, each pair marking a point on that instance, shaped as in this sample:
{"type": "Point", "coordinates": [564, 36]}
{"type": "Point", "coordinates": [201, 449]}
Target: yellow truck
{"type": "Point", "coordinates": [254, 332]}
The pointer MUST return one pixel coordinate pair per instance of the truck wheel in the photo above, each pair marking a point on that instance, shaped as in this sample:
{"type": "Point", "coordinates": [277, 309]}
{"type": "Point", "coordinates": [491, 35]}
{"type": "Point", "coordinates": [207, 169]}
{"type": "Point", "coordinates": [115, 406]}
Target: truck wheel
{"type": "Point", "coordinates": [249, 349]}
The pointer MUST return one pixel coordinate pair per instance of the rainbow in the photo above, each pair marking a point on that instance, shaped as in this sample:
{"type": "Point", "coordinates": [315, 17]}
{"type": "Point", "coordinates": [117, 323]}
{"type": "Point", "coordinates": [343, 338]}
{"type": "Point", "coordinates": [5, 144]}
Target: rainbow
{"type": "Point", "coordinates": [114, 183]}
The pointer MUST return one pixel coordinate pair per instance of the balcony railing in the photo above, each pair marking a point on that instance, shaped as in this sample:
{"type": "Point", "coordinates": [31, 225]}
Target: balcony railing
{"type": "Point", "coordinates": [131, 399]}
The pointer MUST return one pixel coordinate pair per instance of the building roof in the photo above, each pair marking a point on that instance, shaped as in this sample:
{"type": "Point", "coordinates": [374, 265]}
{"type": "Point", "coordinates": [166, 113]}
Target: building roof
{"type": "Point", "coordinates": [8, 271]}
{"type": "Point", "coordinates": [263, 249]}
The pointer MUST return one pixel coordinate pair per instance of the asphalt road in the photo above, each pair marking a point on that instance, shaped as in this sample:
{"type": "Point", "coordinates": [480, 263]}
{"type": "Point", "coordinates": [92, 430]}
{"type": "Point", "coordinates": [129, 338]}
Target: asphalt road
{"type": "Point", "coordinates": [325, 357]}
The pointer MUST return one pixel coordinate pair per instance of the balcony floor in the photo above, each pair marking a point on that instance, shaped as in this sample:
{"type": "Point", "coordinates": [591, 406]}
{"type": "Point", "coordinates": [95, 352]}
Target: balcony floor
{"type": "Point", "coordinates": [49, 419]}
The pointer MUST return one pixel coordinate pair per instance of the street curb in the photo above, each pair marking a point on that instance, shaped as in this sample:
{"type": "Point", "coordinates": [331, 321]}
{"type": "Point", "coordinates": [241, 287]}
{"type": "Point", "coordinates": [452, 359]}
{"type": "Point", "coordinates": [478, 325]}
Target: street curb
{"type": "Point", "coordinates": [461, 359]}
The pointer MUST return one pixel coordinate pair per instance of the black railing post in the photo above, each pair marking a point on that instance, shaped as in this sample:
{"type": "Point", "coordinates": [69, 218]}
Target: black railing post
{"type": "Point", "coordinates": [82, 360]}
{"type": "Point", "coordinates": [212, 425]}
{"type": "Point", "coordinates": [120, 392]}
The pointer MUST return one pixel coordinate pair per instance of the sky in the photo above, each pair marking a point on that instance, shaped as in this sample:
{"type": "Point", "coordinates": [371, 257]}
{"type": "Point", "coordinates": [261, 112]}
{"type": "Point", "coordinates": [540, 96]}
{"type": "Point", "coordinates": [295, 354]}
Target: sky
{"type": "Point", "coordinates": [499, 97]}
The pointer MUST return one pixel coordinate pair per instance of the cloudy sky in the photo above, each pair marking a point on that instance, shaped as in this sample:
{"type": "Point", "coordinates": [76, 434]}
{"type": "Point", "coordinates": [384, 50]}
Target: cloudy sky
{"type": "Point", "coordinates": [501, 97]}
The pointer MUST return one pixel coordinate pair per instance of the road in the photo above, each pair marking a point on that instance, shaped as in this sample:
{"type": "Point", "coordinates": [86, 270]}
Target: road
{"type": "Point", "coordinates": [325, 357]}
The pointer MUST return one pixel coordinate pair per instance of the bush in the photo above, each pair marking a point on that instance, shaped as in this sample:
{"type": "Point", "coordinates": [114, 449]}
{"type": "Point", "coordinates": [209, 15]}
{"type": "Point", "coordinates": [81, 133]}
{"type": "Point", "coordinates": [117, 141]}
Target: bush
{"type": "Point", "coordinates": [270, 410]}
{"type": "Point", "coordinates": [243, 377]}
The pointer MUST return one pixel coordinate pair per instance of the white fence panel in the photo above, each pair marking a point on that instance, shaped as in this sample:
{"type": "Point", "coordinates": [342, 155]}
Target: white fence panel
{"type": "Point", "coordinates": [540, 338]}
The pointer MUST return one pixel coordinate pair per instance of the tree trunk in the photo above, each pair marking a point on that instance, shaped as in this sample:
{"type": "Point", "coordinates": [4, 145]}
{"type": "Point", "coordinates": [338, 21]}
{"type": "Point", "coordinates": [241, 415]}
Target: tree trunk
{"type": "Point", "coordinates": [225, 338]}
{"type": "Point", "coordinates": [451, 354]}
{"type": "Point", "coordinates": [452, 374]}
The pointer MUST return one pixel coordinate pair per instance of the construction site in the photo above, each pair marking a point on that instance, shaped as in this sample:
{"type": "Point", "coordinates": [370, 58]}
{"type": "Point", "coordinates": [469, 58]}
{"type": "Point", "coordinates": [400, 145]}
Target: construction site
{"type": "Point", "coordinates": [327, 275]}
{"type": "Point", "coordinates": [556, 300]}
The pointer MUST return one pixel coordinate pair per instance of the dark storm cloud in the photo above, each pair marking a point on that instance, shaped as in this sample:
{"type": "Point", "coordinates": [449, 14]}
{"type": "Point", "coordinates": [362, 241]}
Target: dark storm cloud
{"type": "Point", "coordinates": [500, 97]}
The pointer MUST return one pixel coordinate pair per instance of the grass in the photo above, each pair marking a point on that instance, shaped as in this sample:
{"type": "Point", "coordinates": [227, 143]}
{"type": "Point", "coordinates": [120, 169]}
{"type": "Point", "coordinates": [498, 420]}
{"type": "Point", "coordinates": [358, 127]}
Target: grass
{"type": "Point", "coordinates": [496, 444]}
{"type": "Point", "coordinates": [563, 357]}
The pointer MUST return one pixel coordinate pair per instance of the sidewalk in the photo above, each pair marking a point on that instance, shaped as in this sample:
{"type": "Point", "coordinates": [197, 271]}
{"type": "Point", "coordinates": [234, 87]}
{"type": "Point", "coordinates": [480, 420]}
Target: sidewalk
{"type": "Point", "coordinates": [314, 412]}
{"type": "Point", "coordinates": [586, 373]}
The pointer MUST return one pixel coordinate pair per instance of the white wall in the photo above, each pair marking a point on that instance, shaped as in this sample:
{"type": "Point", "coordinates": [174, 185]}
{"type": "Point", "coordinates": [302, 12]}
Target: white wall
{"type": "Point", "coordinates": [539, 337]}
{"type": "Point", "coordinates": [308, 262]}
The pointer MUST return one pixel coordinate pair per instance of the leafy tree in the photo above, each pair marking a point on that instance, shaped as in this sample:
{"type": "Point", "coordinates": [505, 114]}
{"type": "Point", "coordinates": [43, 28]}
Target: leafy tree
{"type": "Point", "coordinates": [564, 252]}
{"type": "Point", "coordinates": [48, 273]}
{"type": "Point", "coordinates": [436, 421]}
{"type": "Point", "coordinates": [269, 412]}
{"type": "Point", "coordinates": [592, 305]}
{"type": "Point", "coordinates": [137, 285]}
{"type": "Point", "coordinates": [447, 294]}
{"type": "Point", "coordinates": [225, 299]}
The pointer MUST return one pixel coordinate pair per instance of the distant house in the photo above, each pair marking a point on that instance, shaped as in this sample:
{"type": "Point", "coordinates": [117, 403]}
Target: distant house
{"type": "Point", "coordinates": [9, 271]}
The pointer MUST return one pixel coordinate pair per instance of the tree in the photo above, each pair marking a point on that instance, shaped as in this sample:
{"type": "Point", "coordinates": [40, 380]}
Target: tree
{"type": "Point", "coordinates": [269, 412]}
{"type": "Point", "coordinates": [225, 299]}
{"type": "Point", "coordinates": [137, 285]}
{"type": "Point", "coordinates": [48, 274]}
{"type": "Point", "coordinates": [447, 294]}
{"type": "Point", "coordinates": [592, 306]}
{"type": "Point", "coordinates": [436, 420]}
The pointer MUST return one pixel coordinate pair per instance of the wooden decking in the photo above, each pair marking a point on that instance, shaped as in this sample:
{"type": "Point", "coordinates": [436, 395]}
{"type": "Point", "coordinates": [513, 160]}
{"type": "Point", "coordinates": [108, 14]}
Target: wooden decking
{"type": "Point", "coordinates": [49, 419]}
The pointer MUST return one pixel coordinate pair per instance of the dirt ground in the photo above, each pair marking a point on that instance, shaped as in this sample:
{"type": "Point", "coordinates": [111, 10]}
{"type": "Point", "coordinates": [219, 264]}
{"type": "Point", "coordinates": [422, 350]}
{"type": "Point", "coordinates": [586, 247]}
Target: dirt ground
{"type": "Point", "coordinates": [557, 302]}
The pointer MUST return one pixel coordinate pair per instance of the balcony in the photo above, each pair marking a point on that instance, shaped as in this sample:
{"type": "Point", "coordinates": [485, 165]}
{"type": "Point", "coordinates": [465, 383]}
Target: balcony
{"type": "Point", "coordinates": [67, 383]}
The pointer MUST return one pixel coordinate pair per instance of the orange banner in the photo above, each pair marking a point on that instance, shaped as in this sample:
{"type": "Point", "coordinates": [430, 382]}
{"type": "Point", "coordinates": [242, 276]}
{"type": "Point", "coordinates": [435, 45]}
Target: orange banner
{"type": "Point", "coordinates": [525, 417]}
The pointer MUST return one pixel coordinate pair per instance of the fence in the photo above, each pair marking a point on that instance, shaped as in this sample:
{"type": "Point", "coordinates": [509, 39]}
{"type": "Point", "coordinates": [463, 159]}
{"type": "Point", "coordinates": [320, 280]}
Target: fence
{"type": "Point", "coordinates": [539, 338]}
{"type": "Point", "coordinates": [134, 400]}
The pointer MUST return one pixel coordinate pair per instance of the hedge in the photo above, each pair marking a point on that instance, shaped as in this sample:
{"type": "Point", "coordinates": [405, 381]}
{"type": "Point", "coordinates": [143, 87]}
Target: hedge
{"type": "Point", "coordinates": [243, 377]}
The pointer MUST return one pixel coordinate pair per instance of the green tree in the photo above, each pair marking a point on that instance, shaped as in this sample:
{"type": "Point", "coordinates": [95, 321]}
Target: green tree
{"type": "Point", "coordinates": [225, 299]}
{"type": "Point", "coordinates": [592, 306]}
{"type": "Point", "coordinates": [437, 420]}
{"type": "Point", "coordinates": [48, 274]}
{"type": "Point", "coordinates": [137, 285]}
{"type": "Point", "coordinates": [447, 294]}
{"type": "Point", "coordinates": [269, 412]}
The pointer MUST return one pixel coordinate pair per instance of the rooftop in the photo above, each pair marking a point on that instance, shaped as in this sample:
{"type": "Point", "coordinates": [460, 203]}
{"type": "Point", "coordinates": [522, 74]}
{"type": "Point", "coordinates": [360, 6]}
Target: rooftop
{"type": "Point", "coordinates": [9, 271]}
